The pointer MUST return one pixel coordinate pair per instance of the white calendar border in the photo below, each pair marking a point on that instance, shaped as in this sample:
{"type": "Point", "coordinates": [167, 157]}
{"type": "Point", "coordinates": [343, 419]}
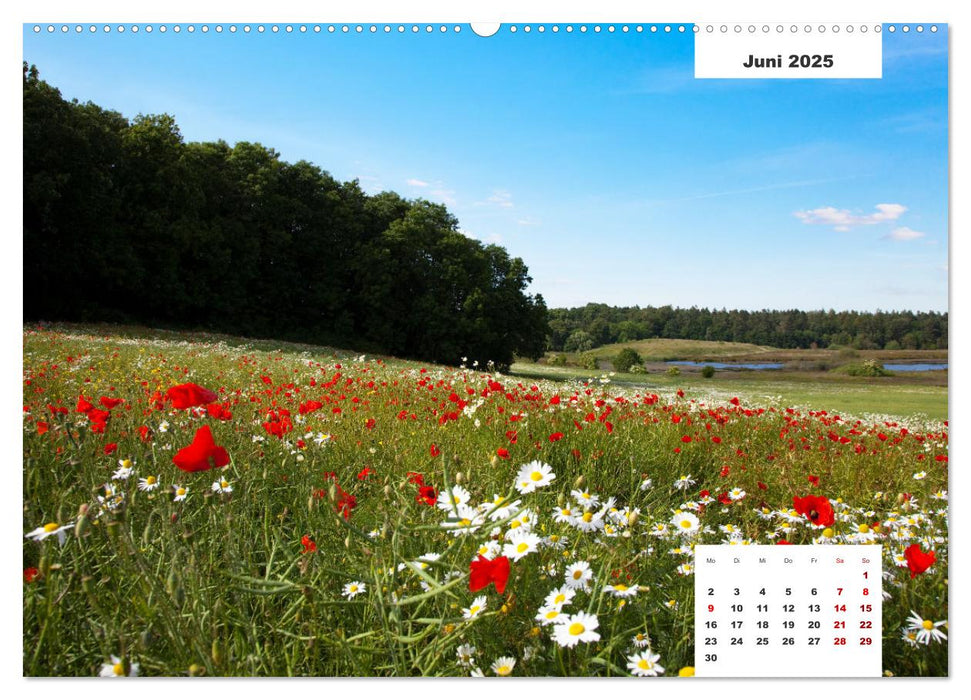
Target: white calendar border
{"type": "Point", "coordinates": [506, 11]}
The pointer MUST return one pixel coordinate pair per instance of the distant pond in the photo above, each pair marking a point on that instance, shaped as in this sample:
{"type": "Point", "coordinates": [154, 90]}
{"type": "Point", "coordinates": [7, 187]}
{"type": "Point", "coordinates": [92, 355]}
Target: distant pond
{"type": "Point", "coordinates": [728, 365]}
{"type": "Point", "coordinates": [915, 366]}
{"type": "Point", "coordinates": [892, 367]}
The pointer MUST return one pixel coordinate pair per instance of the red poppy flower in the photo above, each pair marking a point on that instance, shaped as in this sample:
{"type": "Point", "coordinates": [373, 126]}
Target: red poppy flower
{"type": "Point", "coordinates": [814, 480]}
{"type": "Point", "coordinates": [484, 571]}
{"type": "Point", "coordinates": [503, 452]}
{"type": "Point", "coordinates": [415, 478]}
{"type": "Point", "coordinates": [724, 498]}
{"type": "Point", "coordinates": [42, 427]}
{"type": "Point", "coordinates": [734, 401]}
{"type": "Point", "coordinates": [555, 437]}
{"type": "Point", "coordinates": [110, 448]}
{"type": "Point", "coordinates": [783, 542]}
{"type": "Point", "coordinates": [364, 473]}
{"type": "Point", "coordinates": [30, 574]}
{"type": "Point", "coordinates": [110, 403]}
{"type": "Point", "coordinates": [434, 451]}
{"type": "Point", "coordinates": [427, 495]}
{"type": "Point", "coordinates": [189, 395]}
{"type": "Point", "coordinates": [83, 405]}
{"type": "Point", "coordinates": [917, 561]}
{"type": "Point", "coordinates": [763, 487]}
{"type": "Point", "coordinates": [145, 433]}
{"type": "Point", "coordinates": [202, 454]}
{"type": "Point", "coordinates": [308, 544]}
{"type": "Point", "coordinates": [817, 508]}
{"type": "Point", "coordinates": [219, 411]}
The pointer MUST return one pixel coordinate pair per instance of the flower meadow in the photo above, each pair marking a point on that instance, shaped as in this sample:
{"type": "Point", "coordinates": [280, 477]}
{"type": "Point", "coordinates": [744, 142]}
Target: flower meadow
{"type": "Point", "coordinates": [194, 507]}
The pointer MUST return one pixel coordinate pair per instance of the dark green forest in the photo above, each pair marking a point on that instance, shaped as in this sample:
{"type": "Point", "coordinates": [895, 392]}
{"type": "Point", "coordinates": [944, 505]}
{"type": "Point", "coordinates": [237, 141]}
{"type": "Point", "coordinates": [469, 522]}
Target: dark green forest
{"type": "Point", "coordinates": [589, 326]}
{"type": "Point", "coordinates": [125, 221]}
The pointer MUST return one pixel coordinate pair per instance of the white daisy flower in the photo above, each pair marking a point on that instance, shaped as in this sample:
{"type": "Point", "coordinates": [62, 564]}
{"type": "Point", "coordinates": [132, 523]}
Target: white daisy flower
{"type": "Point", "coordinates": [559, 597]}
{"type": "Point", "coordinates": [148, 483]}
{"type": "Point", "coordinates": [478, 605]}
{"type": "Point", "coordinates": [550, 615]}
{"type": "Point", "coordinates": [683, 482]}
{"type": "Point", "coordinates": [116, 669]}
{"type": "Point", "coordinates": [585, 499]}
{"type": "Point", "coordinates": [222, 486]}
{"type": "Point", "coordinates": [353, 588]}
{"type": "Point", "coordinates": [620, 590]}
{"type": "Point", "coordinates": [578, 628]}
{"type": "Point", "coordinates": [503, 666]}
{"type": "Point", "coordinates": [579, 576]}
{"type": "Point", "coordinates": [124, 470]}
{"type": "Point", "coordinates": [533, 476]}
{"type": "Point", "coordinates": [180, 492]}
{"type": "Point", "coordinates": [44, 531]}
{"type": "Point", "coordinates": [564, 515]}
{"type": "Point", "coordinates": [644, 663]}
{"type": "Point", "coordinates": [686, 523]}
{"type": "Point", "coordinates": [927, 630]}
{"type": "Point", "coordinates": [519, 544]}
{"type": "Point", "coordinates": [466, 654]}
{"type": "Point", "coordinates": [459, 497]}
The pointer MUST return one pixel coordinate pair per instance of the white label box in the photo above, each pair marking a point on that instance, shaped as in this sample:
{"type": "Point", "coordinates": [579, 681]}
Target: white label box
{"type": "Point", "coordinates": [788, 611]}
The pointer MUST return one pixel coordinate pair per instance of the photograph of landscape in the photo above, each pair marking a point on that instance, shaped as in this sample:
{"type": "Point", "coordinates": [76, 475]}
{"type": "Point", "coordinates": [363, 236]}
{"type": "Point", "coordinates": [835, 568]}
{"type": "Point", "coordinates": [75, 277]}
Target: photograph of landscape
{"type": "Point", "coordinates": [394, 350]}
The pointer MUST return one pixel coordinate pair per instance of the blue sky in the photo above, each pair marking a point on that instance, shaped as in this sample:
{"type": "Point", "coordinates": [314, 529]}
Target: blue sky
{"type": "Point", "coordinates": [597, 158]}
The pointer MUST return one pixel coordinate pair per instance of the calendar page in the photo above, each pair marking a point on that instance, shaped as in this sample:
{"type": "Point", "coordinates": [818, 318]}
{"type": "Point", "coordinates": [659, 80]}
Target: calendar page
{"type": "Point", "coordinates": [516, 343]}
{"type": "Point", "coordinates": [764, 610]}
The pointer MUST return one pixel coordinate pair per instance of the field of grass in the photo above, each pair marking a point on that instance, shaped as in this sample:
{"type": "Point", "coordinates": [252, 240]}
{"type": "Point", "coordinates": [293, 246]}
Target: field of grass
{"type": "Point", "coordinates": [918, 396]}
{"type": "Point", "coordinates": [661, 349]}
{"type": "Point", "coordinates": [196, 505]}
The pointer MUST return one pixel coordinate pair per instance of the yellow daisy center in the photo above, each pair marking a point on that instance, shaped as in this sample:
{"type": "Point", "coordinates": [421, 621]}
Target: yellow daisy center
{"type": "Point", "coordinates": [620, 587]}
{"type": "Point", "coordinates": [645, 664]}
{"type": "Point", "coordinates": [50, 527]}
{"type": "Point", "coordinates": [353, 589]}
{"type": "Point", "coordinates": [864, 528]}
{"type": "Point", "coordinates": [150, 480]}
{"type": "Point", "coordinates": [126, 463]}
{"type": "Point", "coordinates": [474, 609]}
{"type": "Point", "coordinates": [552, 614]}
{"type": "Point", "coordinates": [687, 671]}
{"type": "Point", "coordinates": [514, 524]}
{"type": "Point", "coordinates": [180, 491]}
{"type": "Point", "coordinates": [560, 598]}
{"type": "Point", "coordinates": [118, 669]}
{"type": "Point", "coordinates": [927, 625]}
{"type": "Point", "coordinates": [587, 517]}
{"type": "Point", "coordinates": [828, 532]}
{"type": "Point", "coordinates": [224, 484]}
{"type": "Point", "coordinates": [578, 574]}
{"type": "Point", "coordinates": [686, 524]}
{"type": "Point", "coordinates": [503, 670]}
{"type": "Point", "coordinates": [522, 547]}
{"type": "Point", "coordinates": [576, 629]}
{"type": "Point", "coordinates": [536, 476]}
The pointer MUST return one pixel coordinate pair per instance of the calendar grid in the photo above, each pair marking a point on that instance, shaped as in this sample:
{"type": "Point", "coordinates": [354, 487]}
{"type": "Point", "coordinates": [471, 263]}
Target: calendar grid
{"type": "Point", "coordinates": [788, 611]}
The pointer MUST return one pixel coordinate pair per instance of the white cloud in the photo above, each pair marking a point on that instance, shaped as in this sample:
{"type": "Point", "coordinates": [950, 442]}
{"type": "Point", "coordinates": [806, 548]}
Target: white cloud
{"type": "Point", "coordinates": [501, 198]}
{"type": "Point", "coordinates": [414, 182]}
{"type": "Point", "coordinates": [844, 219]}
{"type": "Point", "coordinates": [445, 195]}
{"type": "Point", "coordinates": [904, 234]}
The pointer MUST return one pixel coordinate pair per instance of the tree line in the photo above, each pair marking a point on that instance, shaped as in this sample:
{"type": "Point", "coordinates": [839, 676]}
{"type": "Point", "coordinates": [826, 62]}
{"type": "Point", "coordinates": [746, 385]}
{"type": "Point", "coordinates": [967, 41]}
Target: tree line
{"type": "Point", "coordinates": [125, 221]}
{"type": "Point", "coordinates": [582, 328]}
